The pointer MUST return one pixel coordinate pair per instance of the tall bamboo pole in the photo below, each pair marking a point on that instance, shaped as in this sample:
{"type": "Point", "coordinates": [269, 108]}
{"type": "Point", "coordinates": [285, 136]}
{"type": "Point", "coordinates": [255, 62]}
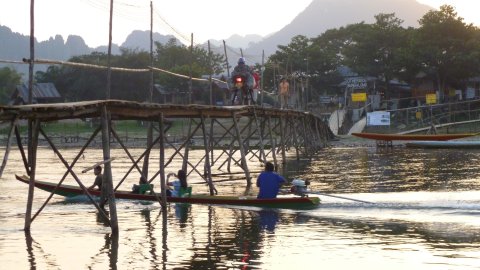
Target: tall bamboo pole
{"type": "Point", "coordinates": [210, 73]}
{"type": "Point", "coordinates": [109, 68]}
{"type": "Point", "coordinates": [190, 71]}
{"type": "Point", "coordinates": [226, 63]}
{"type": "Point", "coordinates": [150, 98]}
{"type": "Point", "coordinates": [163, 184]}
{"type": "Point", "coordinates": [30, 76]}
{"type": "Point", "coordinates": [262, 70]}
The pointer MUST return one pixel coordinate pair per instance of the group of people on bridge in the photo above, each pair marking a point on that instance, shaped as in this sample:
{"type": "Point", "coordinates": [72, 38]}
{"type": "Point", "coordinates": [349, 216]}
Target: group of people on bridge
{"type": "Point", "coordinates": [251, 85]}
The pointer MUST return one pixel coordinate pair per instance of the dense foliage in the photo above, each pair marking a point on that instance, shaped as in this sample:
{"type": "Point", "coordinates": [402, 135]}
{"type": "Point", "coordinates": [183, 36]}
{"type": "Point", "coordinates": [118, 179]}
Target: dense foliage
{"type": "Point", "coordinates": [85, 83]}
{"type": "Point", "coordinates": [444, 48]}
{"type": "Point", "coordinates": [9, 78]}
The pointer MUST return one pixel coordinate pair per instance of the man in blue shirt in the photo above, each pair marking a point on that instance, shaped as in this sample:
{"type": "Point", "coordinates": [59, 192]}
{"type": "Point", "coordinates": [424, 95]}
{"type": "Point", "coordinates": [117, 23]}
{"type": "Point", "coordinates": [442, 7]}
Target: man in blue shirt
{"type": "Point", "coordinates": [269, 182]}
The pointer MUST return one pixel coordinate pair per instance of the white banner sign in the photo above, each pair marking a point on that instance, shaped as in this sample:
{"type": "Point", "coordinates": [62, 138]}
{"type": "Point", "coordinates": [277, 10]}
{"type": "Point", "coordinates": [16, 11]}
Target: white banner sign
{"type": "Point", "coordinates": [378, 118]}
{"type": "Point", "coordinates": [357, 83]}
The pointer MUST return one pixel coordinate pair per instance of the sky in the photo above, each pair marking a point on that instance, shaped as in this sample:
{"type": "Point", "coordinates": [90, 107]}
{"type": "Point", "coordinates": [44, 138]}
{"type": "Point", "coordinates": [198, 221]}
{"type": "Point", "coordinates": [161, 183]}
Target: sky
{"type": "Point", "coordinates": [206, 19]}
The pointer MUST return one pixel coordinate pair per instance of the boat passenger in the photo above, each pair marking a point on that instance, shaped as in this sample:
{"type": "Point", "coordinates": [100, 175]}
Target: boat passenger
{"type": "Point", "coordinates": [269, 182]}
{"type": "Point", "coordinates": [138, 188]}
{"type": "Point", "coordinates": [98, 179]}
{"type": "Point", "coordinates": [179, 185]}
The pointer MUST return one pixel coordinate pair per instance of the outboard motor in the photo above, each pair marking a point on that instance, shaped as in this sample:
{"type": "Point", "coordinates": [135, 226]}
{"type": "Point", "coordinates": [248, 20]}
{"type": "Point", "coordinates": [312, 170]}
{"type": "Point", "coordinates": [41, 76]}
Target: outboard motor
{"type": "Point", "coordinates": [300, 187]}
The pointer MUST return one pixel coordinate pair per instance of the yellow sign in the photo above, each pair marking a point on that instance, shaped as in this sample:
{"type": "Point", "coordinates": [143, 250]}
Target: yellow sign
{"type": "Point", "coordinates": [431, 98]}
{"type": "Point", "coordinates": [359, 97]}
{"type": "Point", "coordinates": [418, 115]}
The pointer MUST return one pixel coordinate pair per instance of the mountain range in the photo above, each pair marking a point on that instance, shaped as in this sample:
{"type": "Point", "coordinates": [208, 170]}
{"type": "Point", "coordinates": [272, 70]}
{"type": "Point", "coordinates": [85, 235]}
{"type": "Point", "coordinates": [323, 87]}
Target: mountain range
{"type": "Point", "coordinates": [318, 17]}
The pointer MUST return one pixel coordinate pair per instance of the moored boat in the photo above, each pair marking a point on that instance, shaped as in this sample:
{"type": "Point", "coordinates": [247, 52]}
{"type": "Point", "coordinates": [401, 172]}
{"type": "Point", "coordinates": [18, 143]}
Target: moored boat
{"type": "Point", "coordinates": [444, 145]}
{"type": "Point", "coordinates": [413, 137]}
{"type": "Point", "coordinates": [280, 202]}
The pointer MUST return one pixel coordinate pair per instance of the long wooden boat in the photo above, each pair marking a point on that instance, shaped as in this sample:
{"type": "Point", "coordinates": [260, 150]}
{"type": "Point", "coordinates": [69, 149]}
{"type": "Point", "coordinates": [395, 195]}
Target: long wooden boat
{"type": "Point", "coordinates": [446, 144]}
{"type": "Point", "coordinates": [413, 137]}
{"type": "Point", "coordinates": [280, 202]}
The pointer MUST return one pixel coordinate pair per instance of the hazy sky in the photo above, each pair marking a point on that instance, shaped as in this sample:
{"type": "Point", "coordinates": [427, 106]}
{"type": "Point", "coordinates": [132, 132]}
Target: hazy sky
{"type": "Point", "coordinates": [216, 19]}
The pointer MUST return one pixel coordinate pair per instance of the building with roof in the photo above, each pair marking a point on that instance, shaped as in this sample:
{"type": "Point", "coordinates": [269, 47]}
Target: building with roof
{"type": "Point", "coordinates": [41, 93]}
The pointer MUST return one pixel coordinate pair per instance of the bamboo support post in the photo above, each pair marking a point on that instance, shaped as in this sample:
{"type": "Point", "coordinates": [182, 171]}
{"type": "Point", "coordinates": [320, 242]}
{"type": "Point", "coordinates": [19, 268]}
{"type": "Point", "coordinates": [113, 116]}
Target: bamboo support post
{"type": "Point", "coordinates": [22, 150]}
{"type": "Point", "coordinates": [107, 184]}
{"type": "Point", "coordinates": [163, 184]}
{"type": "Point", "coordinates": [272, 142]}
{"type": "Point", "coordinates": [207, 169]}
{"type": "Point", "coordinates": [69, 170]}
{"type": "Point", "coordinates": [9, 145]}
{"type": "Point", "coordinates": [242, 150]}
{"type": "Point", "coordinates": [282, 140]}
{"type": "Point", "coordinates": [31, 186]}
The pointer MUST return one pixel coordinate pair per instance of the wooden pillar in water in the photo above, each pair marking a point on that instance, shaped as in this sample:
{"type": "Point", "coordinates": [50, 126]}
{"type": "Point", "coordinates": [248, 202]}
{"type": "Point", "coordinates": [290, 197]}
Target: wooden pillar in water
{"type": "Point", "coordinates": [33, 166]}
{"type": "Point", "coordinates": [305, 141]}
{"type": "Point", "coordinates": [9, 145]}
{"type": "Point", "coordinates": [282, 139]}
{"type": "Point", "coordinates": [242, 150]}
{"type": "Point", "coordinates": [272, 142]}
{"type": "Point", "coordinates": [187, 148]}
{"type": "Point", "coordinates": [163, 184]}
{"type": "Point", "coordinates": [207, 169]}
{"type": "Point", "coordinates": [107, 184]}
{"type": "Point", "coordinates": [263, 158]}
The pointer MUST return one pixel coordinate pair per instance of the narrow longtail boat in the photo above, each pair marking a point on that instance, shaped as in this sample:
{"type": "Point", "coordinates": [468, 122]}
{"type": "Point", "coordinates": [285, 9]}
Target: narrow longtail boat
{"type": "Point", "coordinates": [413, 137]}
{"type": "Point", "coordinates": [280, 202]}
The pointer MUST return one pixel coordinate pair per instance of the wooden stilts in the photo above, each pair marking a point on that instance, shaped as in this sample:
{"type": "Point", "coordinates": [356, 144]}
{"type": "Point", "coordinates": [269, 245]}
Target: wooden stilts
{"type": "Point", "coordinates": [22, 151]}
{"type": "Point", "coordinates": [211, 141]}
{"type": "Point", "coordinates": [242, 150]}
{"type": "Point", "coordinates": [272, 142]}
{"type": "Point", "coordinates": [107, 184]}
{"type": "Point", "coordinates": [74, 175]}
{"type": "Point", "coordinates": [304, 138]}
{"type": "Point", "coordinates": [163, 184]}
{"type": "Point", "coordinates": [208, 172]}
{"type": "Point", "coordinates": [9, 145]}
{"type": "Point", "coordinates": [294, 132]}
{"type": "Point", "coordinates": [282, 139]}
{"type": "Point", "coordinates": [31, 186]}
{"type": "Point", "coordinates": [187, 147]}
{"type": "Point", "coordinates": [114, 133]}
{"type": "Point", "coordinates": [147, 154]}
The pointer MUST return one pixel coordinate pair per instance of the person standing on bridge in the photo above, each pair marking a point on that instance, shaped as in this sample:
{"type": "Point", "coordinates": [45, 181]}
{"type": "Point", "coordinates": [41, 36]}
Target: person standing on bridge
{"type": "Point", "coordinates": [284, 93]}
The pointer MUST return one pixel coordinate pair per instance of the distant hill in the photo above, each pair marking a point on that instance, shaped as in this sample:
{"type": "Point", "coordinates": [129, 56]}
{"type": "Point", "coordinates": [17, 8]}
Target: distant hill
{"type": "Point", "coordinates": [318, 17]}
{"type": "Point", "coordinates": [237, 41]}
{"type": "Point", "coordinates": [322, 15]}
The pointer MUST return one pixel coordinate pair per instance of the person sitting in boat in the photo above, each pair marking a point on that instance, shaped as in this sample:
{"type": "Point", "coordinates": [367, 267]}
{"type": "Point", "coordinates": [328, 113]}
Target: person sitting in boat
{"type": "Point", "coordinates": [141, 187]}
{"type": "Point", "coordinates": [269, 182]}
{"type": "Point", "coordinates": [98, 179]}
{"type": "Point", "coordinates": [180, 186]}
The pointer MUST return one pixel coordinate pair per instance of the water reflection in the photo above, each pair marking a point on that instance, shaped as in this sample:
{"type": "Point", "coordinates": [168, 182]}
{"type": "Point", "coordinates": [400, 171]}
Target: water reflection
{"type": "Point", "coordinates": [31, 255]}
{"type": "Point", "coordinates": [268, 219]}
{"type": "Point", "coordinates": [439, 224]}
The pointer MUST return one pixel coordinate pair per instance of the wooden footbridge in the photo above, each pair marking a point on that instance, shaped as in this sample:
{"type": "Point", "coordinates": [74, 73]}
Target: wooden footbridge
{"type": "Point", "coordinates": [238, 133]}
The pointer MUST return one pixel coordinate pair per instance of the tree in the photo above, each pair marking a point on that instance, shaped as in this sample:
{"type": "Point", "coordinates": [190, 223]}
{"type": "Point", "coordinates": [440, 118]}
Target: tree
{"type": "Point", "coordinates": [9, 79]}
{"type": "Point", "coordinates": [178, 58]}
{"type": "Point", "coordinates": [376, 50]}
{"type": "Point", "coordinates": [447, 48]}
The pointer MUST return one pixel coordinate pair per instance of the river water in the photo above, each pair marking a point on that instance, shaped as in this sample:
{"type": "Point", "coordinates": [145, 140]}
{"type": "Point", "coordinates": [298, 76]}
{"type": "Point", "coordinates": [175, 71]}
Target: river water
{"type": "Point", "coordinates": [425, 215]}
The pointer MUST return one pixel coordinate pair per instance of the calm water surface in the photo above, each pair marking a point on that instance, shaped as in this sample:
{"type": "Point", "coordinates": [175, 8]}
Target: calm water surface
{"type": "Point", "coordinates": [426, 216]}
